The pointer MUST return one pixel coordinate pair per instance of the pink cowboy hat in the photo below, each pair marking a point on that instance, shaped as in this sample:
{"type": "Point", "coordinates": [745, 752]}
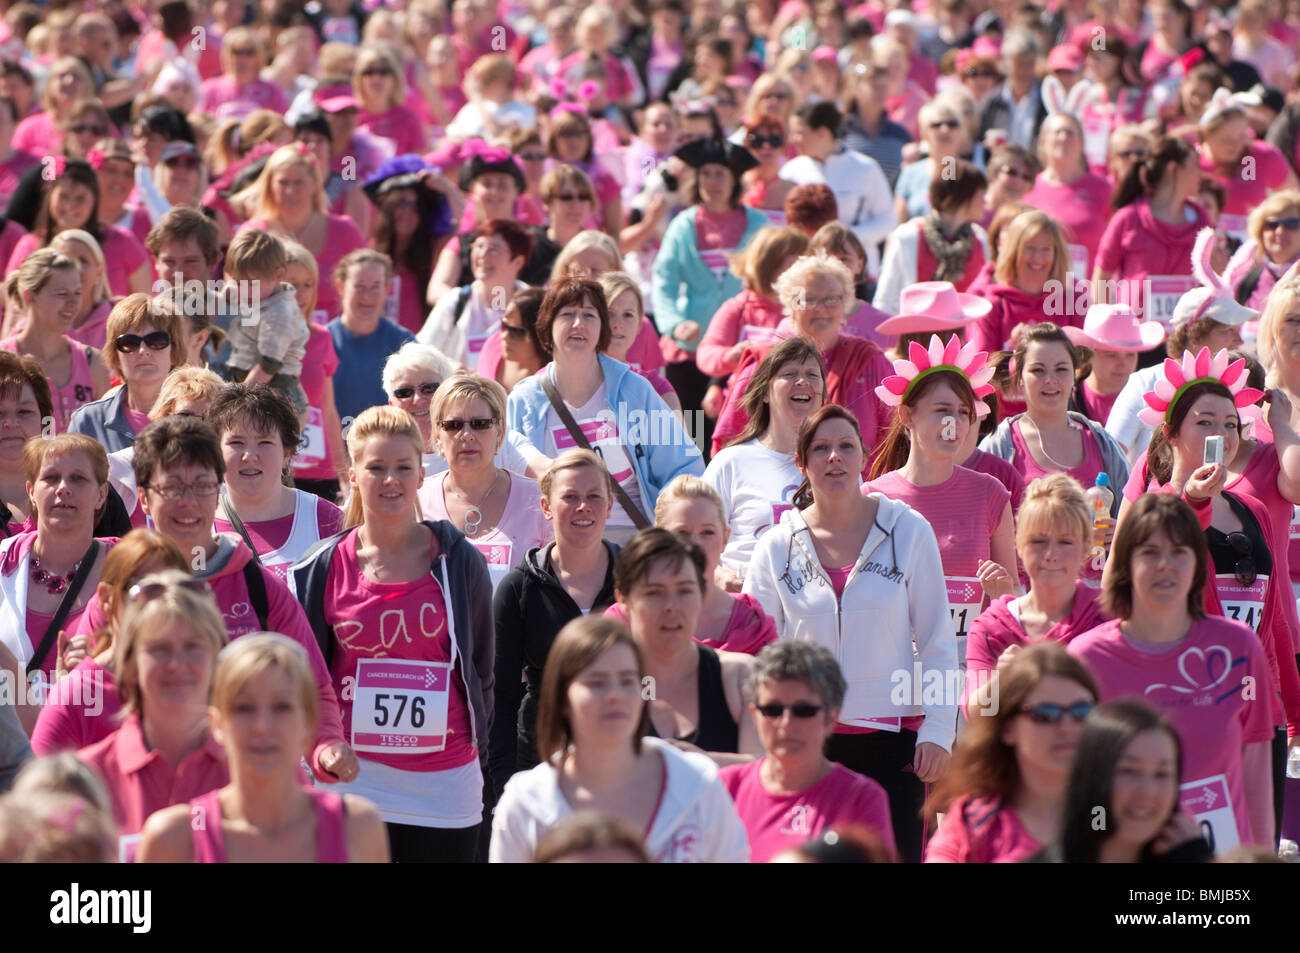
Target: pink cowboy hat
{"type": "Point", "coordinates": [1115, 327]}
{"type": "Point", "coordinates": [934, 306]}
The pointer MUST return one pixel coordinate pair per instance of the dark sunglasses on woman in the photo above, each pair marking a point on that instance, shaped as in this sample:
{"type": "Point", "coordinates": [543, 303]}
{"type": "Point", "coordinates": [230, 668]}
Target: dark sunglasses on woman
{"type": "Point", "coordinates": [154, 341]}
{"type": "Point", "coordinates": [406, 393]}
{"type": "Point", "coordinates": [477, 423]}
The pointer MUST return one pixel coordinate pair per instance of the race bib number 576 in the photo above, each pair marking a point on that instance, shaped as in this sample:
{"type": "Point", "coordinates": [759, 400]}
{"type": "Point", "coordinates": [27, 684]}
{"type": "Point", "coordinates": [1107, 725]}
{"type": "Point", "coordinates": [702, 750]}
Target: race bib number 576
{"type": "Point", "coordinates": [400, 706]}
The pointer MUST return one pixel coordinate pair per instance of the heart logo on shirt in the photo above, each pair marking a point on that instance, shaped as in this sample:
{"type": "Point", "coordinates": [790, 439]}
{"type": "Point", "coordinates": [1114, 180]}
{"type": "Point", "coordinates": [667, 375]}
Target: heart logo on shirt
{"type": "Point", "coordinates": [240, 608]}
{"type": "Point", "coordinates": [1201, 670]}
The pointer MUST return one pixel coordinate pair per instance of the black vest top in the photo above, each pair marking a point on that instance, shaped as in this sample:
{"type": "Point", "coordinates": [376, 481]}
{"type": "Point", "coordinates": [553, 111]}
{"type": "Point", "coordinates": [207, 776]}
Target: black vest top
{"type": "Point", "coordinates": [715, 729]}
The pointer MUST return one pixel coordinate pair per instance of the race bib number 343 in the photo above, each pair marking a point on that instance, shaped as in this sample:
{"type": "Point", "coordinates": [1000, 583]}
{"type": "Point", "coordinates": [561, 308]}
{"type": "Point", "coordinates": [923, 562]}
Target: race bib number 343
{"type": "Point", "coordinates": [400, 706]}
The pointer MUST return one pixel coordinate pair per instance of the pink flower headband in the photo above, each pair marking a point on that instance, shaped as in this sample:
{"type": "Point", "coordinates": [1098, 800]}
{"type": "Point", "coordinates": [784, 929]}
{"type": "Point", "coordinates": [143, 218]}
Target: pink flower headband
{"type": "Point", "coordinates": [1178, 376]}
{"type": "Point", "coordinates": [96, 159]}
{"type": "Point", "coordinates": [966, 360]}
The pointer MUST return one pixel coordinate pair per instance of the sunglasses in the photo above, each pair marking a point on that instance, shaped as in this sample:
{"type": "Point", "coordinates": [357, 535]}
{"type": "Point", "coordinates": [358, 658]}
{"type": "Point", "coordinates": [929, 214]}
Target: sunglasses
{"type": "Point", "coordinates": [82, 130]}
{"type": "Point", "coordinates": [775, 94]}
{"type": "Point", "coordinates": [376, 72]}
{"type": "Point", "coordinates": [533, 156]}
{"type": "Point", "coordinates": [1049, 714]}
{"type": "Point", "coordinates": [981, 74]}
{"type": "Point", "coordinates": [775, 710]}
{"type": "Point", "coordinates": [1011, 173]}
{"type": "Point", "coordinates": [477, 423]}
{"type": "Point", "coordinates": [182, 162]}
{"type": "Point", "coordinates": [571, 197]}
{"type": "Point", "coordinates": [758, 142]}
{"type": "Point", "coordinates": [1291, 223]}
{"type": "Point", "coordinates": [514, 332]}
{"type": "Point", "coordinates": [244, 51]}
{"type": "Point", "coordinates": [1134, 155]}
{"type": "Point", "coordinates": [152, 590]}
{"type": "Point", "coordinates": [1245, 570]}
{"type": "Point", "coordinates": [406, 393]}
{"type": "Point", "coordinates": [154, 341]}
{"type": "Point", "coordinates": [945, 124]}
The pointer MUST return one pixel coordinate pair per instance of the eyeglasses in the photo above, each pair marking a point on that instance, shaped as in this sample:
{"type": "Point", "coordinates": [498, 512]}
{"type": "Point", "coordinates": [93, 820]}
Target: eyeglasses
{"type": "Point", "coordinates": [571, 197]}
{"type": "Point", "coordinates": [1245, 570]}
{"type": "Point", "coordinates": [775, 710]}
{"type": "Point", "coordinates": [945, 124]}
{"type": "Point", "coordinates": [514, 332]}
{"type": "Point", "coordinates": [243, 51]}
{"type": "Point", "coordinates": [1133, 155]}
{"type": "Point", "coordinates": [1291, 223]}
{"type": "Point", "coordinates": [981, 74]}
{"type": "Point", "coordinates": [477, 423]}
{"type": "Point", "coordinates": [182, 162]}
{"type": "Point", "coordinates": [1049, 714]}
{"type": "Point", "coordinates": [775, 94]}
{"type": "Point", "coordinates": [406, 393]}
{"type": "Point", "coordinates": [829, 302]}
{"type": "Point", "coordinates": [154, 341]}
{"type": "Point", "coordinates": [81, 130]}
{"type": "Point", "coordinates": [152, 590]}
{"type": "Point", "coordinates": [1011, 173]}
{"type": "Point", "coordinates": [202, 490]}
{"type": "Point", "coordinates": [758, 142]}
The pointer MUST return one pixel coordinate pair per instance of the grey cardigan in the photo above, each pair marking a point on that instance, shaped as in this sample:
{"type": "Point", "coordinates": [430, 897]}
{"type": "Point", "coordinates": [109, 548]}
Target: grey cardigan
{"type": "Point", "coordinates": [1113, 460]}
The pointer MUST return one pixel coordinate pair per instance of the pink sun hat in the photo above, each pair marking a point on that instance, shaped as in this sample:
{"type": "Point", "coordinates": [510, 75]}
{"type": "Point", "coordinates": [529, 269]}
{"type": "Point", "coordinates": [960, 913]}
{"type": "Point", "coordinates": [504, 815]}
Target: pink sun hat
{"type": "Point", "coordinates": [1115, 327]}
{"type": "Point", "coordinates": [934, 306]}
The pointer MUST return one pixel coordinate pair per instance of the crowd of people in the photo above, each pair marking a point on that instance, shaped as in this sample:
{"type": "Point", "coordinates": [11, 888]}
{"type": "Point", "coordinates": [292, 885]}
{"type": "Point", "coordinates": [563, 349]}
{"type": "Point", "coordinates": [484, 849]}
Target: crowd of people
{"type": "Point", "coordinates": [649, 430]}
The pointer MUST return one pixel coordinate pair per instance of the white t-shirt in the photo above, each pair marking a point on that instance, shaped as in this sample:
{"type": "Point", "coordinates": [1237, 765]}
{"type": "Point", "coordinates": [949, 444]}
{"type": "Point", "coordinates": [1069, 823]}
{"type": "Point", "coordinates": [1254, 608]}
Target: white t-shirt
{"type": "Point", "coordinates": [600, 426]}
{"type": "Point", "coordinates": [522, 526]}
{"type": "Point", "coordinates": [461, 338]}
{"type": "Point", "coordinates": [756, 486]}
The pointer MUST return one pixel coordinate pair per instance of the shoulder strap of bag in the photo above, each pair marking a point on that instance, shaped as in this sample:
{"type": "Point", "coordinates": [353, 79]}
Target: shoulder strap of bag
{"type": "Point", "coordinates": [462, 300]}
{"type": "Point", "coordinates": [566, 418]}
{"type": "Point", "coordinates": [65, 606]}
{"type": "Point", "coordinates": [257, 597]}
{"type": "Point", "coordinates": [233, 519]}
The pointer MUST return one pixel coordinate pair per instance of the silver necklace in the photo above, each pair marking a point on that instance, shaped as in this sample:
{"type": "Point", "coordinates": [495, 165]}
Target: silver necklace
{"type": "Point", "coordinates": [1046, 456]}
{"type": "Point", "coordinates": [474, 515]}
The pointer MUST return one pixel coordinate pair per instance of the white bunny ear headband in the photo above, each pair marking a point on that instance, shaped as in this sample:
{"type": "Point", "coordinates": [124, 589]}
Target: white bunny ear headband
{"type": "Point", "coordinates": [1057, 100]}
{"type": "Point", "coordinates": [1224, 101]}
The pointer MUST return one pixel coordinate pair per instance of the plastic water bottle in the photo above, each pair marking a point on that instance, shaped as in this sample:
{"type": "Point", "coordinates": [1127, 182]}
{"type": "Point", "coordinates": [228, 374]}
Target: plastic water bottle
{"type": "Point", "coordinates": [1101, 498]}
{"type": "Point", "coordinates": [1293, 763]}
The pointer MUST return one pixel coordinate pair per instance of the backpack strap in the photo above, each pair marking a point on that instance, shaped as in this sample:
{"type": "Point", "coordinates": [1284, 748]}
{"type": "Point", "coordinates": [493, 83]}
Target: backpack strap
{"type": "Point", "coordinates": [257, 597]}
{"type": "Point", "coordinates": [462, 300]}
{"type": "Point", "coordinates": [1248, 284]}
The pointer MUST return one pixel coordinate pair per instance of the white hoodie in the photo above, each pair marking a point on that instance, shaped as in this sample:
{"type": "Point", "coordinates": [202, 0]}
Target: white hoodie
{"type": "Point", "coordinates": [696, 821]}
{"type": "Point", "coordinates": [891, 631]}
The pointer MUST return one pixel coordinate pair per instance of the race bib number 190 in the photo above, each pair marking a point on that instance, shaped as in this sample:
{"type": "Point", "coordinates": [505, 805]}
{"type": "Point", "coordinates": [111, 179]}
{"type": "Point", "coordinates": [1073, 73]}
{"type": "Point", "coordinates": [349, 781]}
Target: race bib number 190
{"type": "Point", "coordinates": [400, 706]}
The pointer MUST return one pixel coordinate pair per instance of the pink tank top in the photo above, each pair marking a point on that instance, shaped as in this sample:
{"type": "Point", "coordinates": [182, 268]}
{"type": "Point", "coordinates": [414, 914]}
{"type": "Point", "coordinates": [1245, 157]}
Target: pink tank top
{"type": "Point", "coordinates": [331, 828]}
{"type": "Point", "coordinates": [79, 389]}
{"type": "Point", "coordinates": [1086, 472]}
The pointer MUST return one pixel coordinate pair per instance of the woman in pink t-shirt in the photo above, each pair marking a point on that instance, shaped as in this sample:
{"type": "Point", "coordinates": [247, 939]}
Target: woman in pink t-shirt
{"type": "Point", "coordinates": [496, 510]}
{"type": "Point", "coordinates": [380, 90]}
{"type": "Point", "coordinates": [1003, 796]}
{"type": "Point", "coordinates": [49, 286]}
{"type": "Point", "coordinates": [1126, 765]}
{"type": "Point", "coordinates": [291, 204]}
{"type": "Point", "coordinates": [1067, 191]}
{"type": "Point", "coordinates": [1151, 234]}
{"type": "Point", "coordinates": [1163, 649]}
{"type": "Point", "coordinates": [626, 318]}
{"type": "Point", "coordinates": [1032, 282]}
{"type": "Point", "coordinates": [1248, 169]}
{"type": "Point", "coordinates": [754, 313]}
{"type": "Point", "coordinates": [794, 792]}
{"type": "Point", "coordinates": [84, 705]}
{"type": "Point", "coordinates": [1054, 536]}
{"type": "Point", "coordinates": [409, 650]}
{"type": "Point", "coordinates": [731, 622]}
{"type": "Point", "coordinates": [239, 90]}
{"type": "Point", "coordinates": [259, 432]}
{"type": "Point", "coordinates": [68, 82]}
{"type": "Point", "coordinates": [917, 464]}
{"type": "Point", "coordinates": [90, 325]}
{"type": "Point", "coordinates": [264, 716]}
{"type": "Point", "coordinates": [163, 753]}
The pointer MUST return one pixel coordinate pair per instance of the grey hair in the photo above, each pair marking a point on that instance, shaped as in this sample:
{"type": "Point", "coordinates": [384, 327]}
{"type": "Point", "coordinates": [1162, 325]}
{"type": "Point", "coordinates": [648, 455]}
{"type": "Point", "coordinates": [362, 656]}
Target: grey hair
{"type": "Point", "coordinates": [1019, 41]}
{"type": "Point", "coordinates": [805, 662]}
{"type": "Point", "coordinates": [805, 268]}
{"type": "Point", "coordinates": [415, 356]}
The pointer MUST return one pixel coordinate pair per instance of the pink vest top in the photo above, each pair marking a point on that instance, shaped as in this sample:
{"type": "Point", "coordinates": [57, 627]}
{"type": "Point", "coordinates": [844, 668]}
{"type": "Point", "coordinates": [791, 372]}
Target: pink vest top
{"type": "Point", "coordinates": [331, 828]}
{"type": "Point", "coordinates": [79, 389]}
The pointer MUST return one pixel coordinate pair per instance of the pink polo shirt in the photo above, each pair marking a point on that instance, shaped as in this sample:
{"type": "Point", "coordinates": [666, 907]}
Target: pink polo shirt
{"type": "Point", "coordinates": [980, 831]}
{"type": "Point", "coordinates": [81, 710]}
{"type": "Point", "coordinates": [777, 822]}
{"type": "Point", "coordinates": [141, 781]}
